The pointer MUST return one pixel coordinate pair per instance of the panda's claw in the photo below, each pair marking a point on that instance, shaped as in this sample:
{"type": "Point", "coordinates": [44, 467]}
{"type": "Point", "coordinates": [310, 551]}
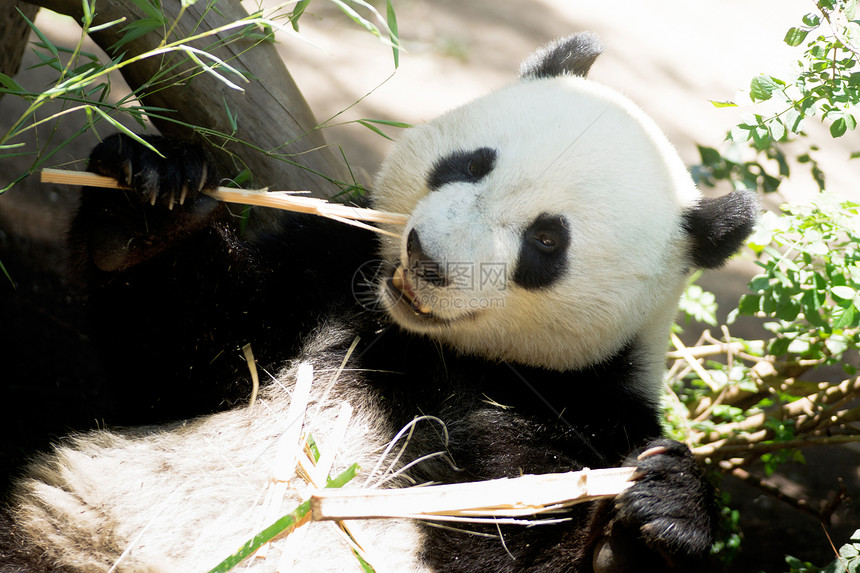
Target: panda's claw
{"type": "Point", "coordinates": [179, 172]}
{"type": "Point", "coordinates": [126, 173]}
{"type": "Point", "coordinates": [653, 451]}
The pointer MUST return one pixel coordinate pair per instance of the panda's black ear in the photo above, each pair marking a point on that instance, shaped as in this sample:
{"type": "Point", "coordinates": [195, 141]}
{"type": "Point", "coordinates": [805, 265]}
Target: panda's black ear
{"type": "Point", "coordinates": [571, 55]}
{"type": "Point", "coordinates": [719, 226]}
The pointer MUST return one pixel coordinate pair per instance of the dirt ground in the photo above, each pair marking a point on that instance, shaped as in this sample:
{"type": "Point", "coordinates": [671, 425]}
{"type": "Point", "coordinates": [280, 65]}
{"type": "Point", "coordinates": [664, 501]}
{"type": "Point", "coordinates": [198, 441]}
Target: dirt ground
{"type": "Point", "coordinates": [670, 56]}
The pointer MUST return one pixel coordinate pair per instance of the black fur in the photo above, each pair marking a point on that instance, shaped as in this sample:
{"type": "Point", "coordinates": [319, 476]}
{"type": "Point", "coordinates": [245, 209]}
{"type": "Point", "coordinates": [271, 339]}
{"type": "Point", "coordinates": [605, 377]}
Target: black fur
{"type": "Point", "coordinates": [170, 324]}
{"type": "Point", "coordinates": [572, 55]}
{"type": "Point", "coordinates": [465, 166]}
{"type": "Point", "coordinates": [719, 226]}
{"type": "Point", "coordinates": [543, 252]}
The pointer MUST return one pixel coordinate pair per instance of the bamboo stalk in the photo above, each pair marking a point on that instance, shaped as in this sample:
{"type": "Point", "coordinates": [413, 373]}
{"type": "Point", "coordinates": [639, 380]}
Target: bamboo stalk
{"type": "Point", "coordinates": [276, 199]}
{"type": "Point", "coordinates": [508, 497]}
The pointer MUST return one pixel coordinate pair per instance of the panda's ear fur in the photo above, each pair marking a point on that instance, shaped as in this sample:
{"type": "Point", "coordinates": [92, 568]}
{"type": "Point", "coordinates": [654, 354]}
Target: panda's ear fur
{"type": "Point", "coordinates": [717, 227]}
{"type": "Point", "coordinates": [571, 55]}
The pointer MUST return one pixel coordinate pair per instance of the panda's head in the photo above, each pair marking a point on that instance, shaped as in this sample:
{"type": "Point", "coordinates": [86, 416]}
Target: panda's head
{"type": "Point", "coordinates": [551, 222]}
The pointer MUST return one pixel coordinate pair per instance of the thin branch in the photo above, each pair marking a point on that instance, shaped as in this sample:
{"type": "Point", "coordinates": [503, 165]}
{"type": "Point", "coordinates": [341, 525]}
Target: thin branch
{"type": "Point", "coordinates": [797, 503]}
{"type": "Point", "coordinates": [754, 447]}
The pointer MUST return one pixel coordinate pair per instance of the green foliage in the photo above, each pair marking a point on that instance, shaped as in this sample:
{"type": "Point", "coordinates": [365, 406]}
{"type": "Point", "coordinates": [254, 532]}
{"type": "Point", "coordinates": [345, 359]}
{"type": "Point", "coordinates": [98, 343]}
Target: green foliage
{"type": "Point", "coordinates": [154, 20]}
{"type": "Point", "coordinates": [847, 561]}
{"type": "Point", "coordinates": [809, 281]}
{"type": "Point", "coordinates": [808, 290]}
{"type": "Point", "coordinates": [7, 275]}
{"type": "Point", "coordinates": [849, 557]}
{"type": "Point", "coordinates": [795, 565]}
{"type": "Point", "coordinates": [746, 407]}
{"type": "Point", "coordinates": [387, 28]}
{"type": "Point", "coordinates": [743, 403]}
{"type": "Point", "coordinates": [826, 85]}
{"type": "Point", "coordinates": [698, 304]}
{"type": "Point", "coordinates": [729, 545]}
{"type": "Point", "coordinates": [297, 12]}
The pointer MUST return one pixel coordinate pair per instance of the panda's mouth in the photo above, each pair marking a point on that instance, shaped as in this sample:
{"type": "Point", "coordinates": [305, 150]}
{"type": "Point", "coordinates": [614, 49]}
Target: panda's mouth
{"type": "Point", "coordinates": [405, 296]}
{"type": "Point", "coordinates": [412, 308]}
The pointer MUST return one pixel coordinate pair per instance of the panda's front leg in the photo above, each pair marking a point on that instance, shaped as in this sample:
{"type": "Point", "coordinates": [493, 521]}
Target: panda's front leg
{"type": "Point", "coordinates": [666, 521]}
{"type": "Point", "coordinates": [172, 290]}
{"type": "Point", "coordinates": [161, 202]}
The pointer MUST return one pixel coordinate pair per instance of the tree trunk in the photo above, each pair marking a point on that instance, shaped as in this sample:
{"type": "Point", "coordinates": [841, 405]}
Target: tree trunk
{"type": "Point", "coordinates": [13, 35]}
{"type": "Point", "coordinates": [283, 149]}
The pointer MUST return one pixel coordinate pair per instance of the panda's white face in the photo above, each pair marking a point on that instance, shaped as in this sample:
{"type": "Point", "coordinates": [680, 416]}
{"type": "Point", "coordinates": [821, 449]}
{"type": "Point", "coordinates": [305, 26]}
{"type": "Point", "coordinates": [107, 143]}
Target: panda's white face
{"type": "Point", "coordinates": [545, 225]}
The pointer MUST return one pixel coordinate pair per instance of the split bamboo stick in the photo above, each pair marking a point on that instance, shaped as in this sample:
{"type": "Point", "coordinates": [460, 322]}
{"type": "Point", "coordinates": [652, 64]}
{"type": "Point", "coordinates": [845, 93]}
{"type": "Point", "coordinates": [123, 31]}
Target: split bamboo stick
{"type": "Point", "coordinates": [285, 200]}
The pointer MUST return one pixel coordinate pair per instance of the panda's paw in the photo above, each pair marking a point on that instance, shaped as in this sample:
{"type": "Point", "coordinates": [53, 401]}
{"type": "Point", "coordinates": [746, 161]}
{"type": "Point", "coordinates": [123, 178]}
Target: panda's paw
{"type": "Point", "coordinates": [671, 506]}
{"type": "Point", "coordinates": [177, 177]}
{"type": "Point", "coordinates": [162, 205]}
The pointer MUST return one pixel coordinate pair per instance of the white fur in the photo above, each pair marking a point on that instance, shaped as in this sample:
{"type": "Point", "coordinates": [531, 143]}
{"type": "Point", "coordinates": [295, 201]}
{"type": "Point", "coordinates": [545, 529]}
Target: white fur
{"type": "Point", "coordinates": [565, 145]}
{"type": "Point", "coordinates": [181, 499]}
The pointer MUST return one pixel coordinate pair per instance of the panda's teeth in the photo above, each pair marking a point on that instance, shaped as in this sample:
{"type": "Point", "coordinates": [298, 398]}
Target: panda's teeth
{"type": "Point", "coordinates": [397, 279]}
{"type": "Point", "coordinates": [401, 283]}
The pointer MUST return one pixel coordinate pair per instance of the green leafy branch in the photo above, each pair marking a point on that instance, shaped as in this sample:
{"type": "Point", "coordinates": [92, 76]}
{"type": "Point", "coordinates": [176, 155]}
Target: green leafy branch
{"type": "Point", "coordinates": [825, 85]}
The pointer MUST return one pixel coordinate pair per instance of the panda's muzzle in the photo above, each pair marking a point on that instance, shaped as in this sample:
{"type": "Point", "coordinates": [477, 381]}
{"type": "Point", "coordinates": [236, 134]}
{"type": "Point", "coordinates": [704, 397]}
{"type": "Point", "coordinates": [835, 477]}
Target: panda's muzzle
{"type": "Point", "coordinates": [405, 293]}
{"type": "Point", "coordinates": [424, 267]}
{"type": "Point", "coordinates": [416, 308]}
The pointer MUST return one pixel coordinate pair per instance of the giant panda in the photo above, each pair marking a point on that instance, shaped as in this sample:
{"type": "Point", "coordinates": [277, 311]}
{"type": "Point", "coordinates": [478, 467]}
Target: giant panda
{"type": "Point", "coordinates": [516, 325]}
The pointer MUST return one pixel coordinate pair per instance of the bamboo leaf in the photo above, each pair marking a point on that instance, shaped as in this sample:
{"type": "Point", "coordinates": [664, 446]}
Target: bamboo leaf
{"type": "Point", "coordinates": [151, 9]}
{"type": "Point", "coordinates": [8, 276]}
{"type": "Point", "coordinates": [390, 123]}
{"type": "Point", "coordinates": [298, 10]}
{"type": "Point", "coordinates": [357, 18]}
{"type": "Point", "coordinates": [394, 34]}
{"type": "Point", "coordinates": [45, 41]}
{"type": "Point", "coordinates": [124, 129]}
{"type": "Point", "coordinates": [106, 25]}
{"type": "Point", "coordinates": [374, 129]}
{"type": "Point", "coordinates": [368, 124]}
{"type": "Point", "coordinates": [283, 526]}
{"type": "Point", "coordinates": [11, 85]}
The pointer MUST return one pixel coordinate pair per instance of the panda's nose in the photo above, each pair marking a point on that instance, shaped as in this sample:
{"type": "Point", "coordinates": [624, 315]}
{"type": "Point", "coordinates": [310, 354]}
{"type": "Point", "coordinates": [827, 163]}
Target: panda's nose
{"type": "Point", "coordinates": [424, 267]}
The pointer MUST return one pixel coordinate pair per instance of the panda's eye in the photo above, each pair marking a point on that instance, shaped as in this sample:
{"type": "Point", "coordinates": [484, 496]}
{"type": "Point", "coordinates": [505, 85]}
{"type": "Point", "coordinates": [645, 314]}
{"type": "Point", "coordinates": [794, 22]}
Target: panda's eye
{"type": "Point", "coordinates": [462, 166]}
{"type": "Point", "coordinates": [474, 169]}
{"type": "Point", "coordinates": [545, 241]}
{"type": "Point", "coordinates": [543, 252]}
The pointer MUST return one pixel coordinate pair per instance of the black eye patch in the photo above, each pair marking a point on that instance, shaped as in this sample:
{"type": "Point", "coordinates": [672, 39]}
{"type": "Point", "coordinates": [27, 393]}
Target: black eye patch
{"type": "Point", "coordinates": [465, 166]}
{"type": "Point", "coordinates": [543, 252]}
